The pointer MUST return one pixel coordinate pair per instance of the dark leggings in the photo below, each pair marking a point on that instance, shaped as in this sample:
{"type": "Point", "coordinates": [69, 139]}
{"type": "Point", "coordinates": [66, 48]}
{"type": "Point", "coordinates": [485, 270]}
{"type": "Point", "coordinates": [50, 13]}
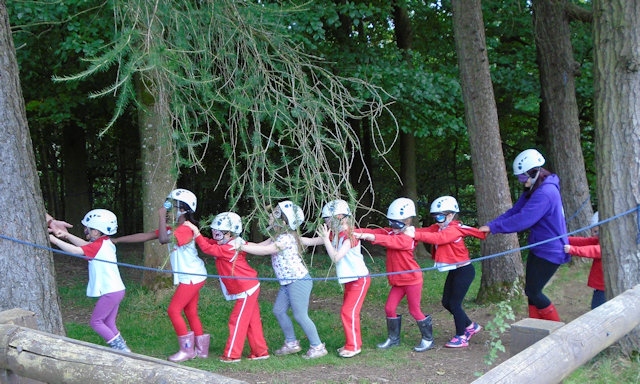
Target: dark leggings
{"type": "Point", "coordinates": [455, 289]}
{"type": "Point", "coordinates": [539, 272]}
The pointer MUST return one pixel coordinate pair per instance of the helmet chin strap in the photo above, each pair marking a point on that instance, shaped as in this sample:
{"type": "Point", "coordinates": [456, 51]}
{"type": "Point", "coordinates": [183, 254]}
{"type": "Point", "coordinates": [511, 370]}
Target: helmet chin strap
{"type": "Point", "coordinates": [533, 179]}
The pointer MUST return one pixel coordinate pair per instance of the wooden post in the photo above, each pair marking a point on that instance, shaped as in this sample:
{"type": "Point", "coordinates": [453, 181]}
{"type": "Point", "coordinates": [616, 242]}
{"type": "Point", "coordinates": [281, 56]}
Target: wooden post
{"type": "Point", "coordinates": [57, 359]}
{"type": "Point", "coordinates": [553, 358]}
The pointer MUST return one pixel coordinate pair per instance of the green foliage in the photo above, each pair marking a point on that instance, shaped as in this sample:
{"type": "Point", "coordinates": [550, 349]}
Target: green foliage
{"type": "Point", "coordinates": [266, 101]}
{"type": "Point", "coordinates": [496, 327]}
{"type": "Point", "coordinates": [275, 110]}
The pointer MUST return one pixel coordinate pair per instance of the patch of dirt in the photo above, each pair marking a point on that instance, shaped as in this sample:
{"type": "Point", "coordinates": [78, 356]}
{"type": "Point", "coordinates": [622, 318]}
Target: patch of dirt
{"type": "Point", "coordinates": [570, 295]}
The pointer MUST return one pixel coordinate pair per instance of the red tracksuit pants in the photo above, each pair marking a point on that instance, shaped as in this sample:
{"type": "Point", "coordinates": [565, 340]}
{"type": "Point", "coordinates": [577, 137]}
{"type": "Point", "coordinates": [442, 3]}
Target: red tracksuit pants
{"type": "Point", "coordinates": [354, 295]}
{"type": "Point", "coordinates": [245, 322]}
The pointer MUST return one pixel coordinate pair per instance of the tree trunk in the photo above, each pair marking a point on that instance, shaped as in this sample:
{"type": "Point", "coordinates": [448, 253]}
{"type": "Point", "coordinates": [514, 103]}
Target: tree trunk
{"type": "Point", "coordinates": [359, 177]}
{"type": "Point", "coordinates": [408, 175]}
{"type": "Point", "coordinates": [158, 175]}
{"type": "Point", "coordinates": [501, 276]}
{"type": "Point", "coordinates": [617, 96]}
{"type": "Point", "coordinates": [27, 276]}
{"type": "Point", "coordinates": [74, 176]}
{"type": "Point", "coordinates": [559, 109]}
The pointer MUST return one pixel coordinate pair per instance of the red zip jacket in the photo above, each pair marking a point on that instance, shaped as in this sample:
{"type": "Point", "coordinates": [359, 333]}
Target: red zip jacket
{"type": "Point", "coordinates": [590, 247]}
{"type": "Point", "coordinates": [399, 255]}
{"type": "Point", "coordinates": [229, 263]}
{"type": "Point", "coordinates": [448, 242]}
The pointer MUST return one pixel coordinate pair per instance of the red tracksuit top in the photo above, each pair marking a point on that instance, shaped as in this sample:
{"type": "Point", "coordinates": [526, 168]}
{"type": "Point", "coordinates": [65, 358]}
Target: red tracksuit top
{"type": "Point", "coordinates": [229, 263]}
{"type": "Point", "coordinates": [400, 257]}
{"type": "Point", "coordinates": [448, 243]}
{"type": "Point", "coordinates": [590, 247]}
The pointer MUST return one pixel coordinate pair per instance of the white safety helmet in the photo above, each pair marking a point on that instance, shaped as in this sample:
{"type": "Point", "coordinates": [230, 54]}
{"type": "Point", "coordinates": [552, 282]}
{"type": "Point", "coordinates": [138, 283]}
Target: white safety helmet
{"type": "Point", "coordinates": [401, 209]}
{"type": "Point", "coordinates": [526, 160]}
{"type": "Point", "coordinates": [101, 219]}
{"type": "Point", "coordinates": [227, 222]}
{"type": "Point", "coordinates": [185, 196]}
{"type": "Point", "coordinates": [294, 214]}
{"type": "Point", "coordinates": [444, 204]}
{"type": "Point", "coordinates": [336, 207]}
{"type": "Point", "coordinates": [595, 219]}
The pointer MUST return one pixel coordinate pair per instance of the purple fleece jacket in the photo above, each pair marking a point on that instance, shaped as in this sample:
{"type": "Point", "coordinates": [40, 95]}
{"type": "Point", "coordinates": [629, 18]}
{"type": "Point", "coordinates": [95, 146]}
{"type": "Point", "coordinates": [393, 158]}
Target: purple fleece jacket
{"type": "Point", "coordinates": [542, 214]}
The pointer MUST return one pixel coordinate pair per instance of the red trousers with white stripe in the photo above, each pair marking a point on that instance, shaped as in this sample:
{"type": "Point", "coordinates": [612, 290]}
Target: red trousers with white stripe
{"type": "Point", "coordinates": [245, 322]}
{"type": "Point", "coordinates": [354, 295]}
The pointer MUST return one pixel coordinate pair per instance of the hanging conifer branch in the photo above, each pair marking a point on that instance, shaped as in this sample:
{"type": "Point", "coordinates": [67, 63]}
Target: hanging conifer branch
{"type": "Point", "coordinates": [228, 69]}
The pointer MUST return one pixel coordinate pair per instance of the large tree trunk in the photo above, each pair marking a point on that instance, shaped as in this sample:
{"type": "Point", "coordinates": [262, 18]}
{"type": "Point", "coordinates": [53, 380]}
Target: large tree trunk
{"type": "Point", "coordinates": [27, 276]}
{"type": "Point", "coordinates": [617, 122]}
{"type": "Point", "coordinates": [559, 109]}
{"type": "Point", "coordinates": [158, 174]}
{"type": "Point", "coordinates": [501, 276]}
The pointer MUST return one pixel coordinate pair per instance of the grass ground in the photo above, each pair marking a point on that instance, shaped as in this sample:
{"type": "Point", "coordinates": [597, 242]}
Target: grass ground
{"type": "Point", "coordinates": [146, 327]}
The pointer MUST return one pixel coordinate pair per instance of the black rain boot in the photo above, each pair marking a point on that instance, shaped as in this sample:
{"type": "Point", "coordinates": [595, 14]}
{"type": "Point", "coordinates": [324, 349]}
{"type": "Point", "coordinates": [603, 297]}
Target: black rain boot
{"type": "Point", "coordinates": [393, 330]}
{"type": "Point", "coordinates": [427, 335]}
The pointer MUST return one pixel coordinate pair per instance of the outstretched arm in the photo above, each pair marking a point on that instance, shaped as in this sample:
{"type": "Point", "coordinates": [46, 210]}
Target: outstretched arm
{"type": "Point", "coordinates": [135, 238]}
{"type": "Point", "coordinates": [264, 248]}
{"type": "Point", "coordinates": [311, 241]}
{"type": "Point", "coordinates": [63, 245]}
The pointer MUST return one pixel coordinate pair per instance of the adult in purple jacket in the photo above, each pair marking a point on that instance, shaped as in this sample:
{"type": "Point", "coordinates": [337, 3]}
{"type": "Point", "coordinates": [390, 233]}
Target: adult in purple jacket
{"type": "Point", "coordinates": [539, 210]}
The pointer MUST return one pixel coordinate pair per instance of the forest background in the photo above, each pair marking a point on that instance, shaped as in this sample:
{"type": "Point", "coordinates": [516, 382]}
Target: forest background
{"type": "Point", "coordinates": [249, 103]}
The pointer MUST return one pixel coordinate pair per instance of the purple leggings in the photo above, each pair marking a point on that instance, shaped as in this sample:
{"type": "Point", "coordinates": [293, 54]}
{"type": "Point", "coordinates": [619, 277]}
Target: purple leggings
{"type": "Point", "coordinates": [103, 318]}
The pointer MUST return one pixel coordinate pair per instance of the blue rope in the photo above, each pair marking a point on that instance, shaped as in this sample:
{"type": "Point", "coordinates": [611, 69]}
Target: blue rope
{"type": "Point", "coordinates": [134, 266]}
{"type": "Point", "coordinates": [580, 208]}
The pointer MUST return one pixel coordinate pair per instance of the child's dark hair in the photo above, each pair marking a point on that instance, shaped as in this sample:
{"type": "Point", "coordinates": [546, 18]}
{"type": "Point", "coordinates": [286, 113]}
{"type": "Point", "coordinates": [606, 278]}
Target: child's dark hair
{"type": "Point", "coordinates": [189, 214]}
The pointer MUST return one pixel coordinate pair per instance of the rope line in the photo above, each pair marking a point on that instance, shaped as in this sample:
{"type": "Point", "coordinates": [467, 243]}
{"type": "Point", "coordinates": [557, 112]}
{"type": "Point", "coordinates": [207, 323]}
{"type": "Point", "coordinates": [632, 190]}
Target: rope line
{"type": "Point", "coordinates": [474, 260]}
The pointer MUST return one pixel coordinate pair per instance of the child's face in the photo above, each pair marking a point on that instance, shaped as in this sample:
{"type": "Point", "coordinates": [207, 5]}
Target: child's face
{"type": "Point", "coordinates": [221, 237]}
{"type": "Point", "coordinates": [443, 219]}
{"type": "Point", "coordinates": [335, 222]}
{"type": "Point", "coordinates": [398, 226]}
{"type": "Point", "coordinates": [91, 234]}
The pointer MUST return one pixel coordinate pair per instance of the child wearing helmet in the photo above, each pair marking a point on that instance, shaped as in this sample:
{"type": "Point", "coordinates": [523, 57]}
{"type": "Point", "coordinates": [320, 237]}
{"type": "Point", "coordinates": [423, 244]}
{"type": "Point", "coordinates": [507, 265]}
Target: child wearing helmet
{"type": "Point", "coordinates": [590, 247]}
{"type": "Point", "coordinates": [239, 283]}
{"type": "Point", "coordinates": [345, 251]}
{"type": "Point", "coordinates": [400, 258]}
{"type": "Point", "coordinates": [451, 255]}
{"type": "Point", "coordinates": [539, 209]}
{"type": "Point", "coordinates": [189, 272]}
{"type": "Point", "coordinates": [285, 248]}
{"type": "Point", "coordinates": [104, 277]}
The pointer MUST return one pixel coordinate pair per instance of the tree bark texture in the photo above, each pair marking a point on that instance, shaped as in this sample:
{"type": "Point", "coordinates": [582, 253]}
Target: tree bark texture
{"type": "Point", "coordinates": [559, 109]}
{"type": "Point", "coordinates": [27, 275]}
{"type": "Point", "coordinates": [501, 276]}
{"type": "Point", "coordinates": [617, 122]}
{"type": "Point", "coordinates": [158, 174]}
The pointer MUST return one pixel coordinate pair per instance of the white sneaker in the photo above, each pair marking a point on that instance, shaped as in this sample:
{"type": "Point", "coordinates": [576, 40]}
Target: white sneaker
{"type": "Point", "coordinates": [315, 352]}
{"type": "Point", "coordinates": [347, 353]}
{"type": "Point", "coordinates": [288, 348]}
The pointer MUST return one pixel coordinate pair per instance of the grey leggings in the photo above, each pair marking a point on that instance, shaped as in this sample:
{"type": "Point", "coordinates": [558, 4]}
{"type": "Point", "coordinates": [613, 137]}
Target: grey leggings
{"type": "Point", "coordinates": [296, 296]}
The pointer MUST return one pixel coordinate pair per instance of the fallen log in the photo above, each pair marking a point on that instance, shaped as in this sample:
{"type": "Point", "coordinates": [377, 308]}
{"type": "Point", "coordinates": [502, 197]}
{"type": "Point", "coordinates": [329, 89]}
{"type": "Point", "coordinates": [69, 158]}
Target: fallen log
{"type": "Point", "coordinates": [57, 359]}
{"type": "Point", "coordinates": [554, 357]}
